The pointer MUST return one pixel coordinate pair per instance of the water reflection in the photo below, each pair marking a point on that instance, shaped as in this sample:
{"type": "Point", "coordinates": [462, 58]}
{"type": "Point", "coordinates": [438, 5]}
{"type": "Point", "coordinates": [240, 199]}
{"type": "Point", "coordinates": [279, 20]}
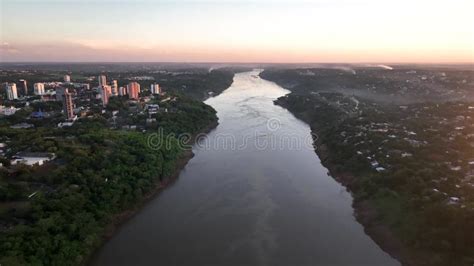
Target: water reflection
{"type": "Point", "coordinates": [253, 205]}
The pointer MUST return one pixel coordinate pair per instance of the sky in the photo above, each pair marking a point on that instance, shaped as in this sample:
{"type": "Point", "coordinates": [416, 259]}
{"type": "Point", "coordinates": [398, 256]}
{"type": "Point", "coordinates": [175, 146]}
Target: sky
{"type": "Point", "coordinates": [332, 31]}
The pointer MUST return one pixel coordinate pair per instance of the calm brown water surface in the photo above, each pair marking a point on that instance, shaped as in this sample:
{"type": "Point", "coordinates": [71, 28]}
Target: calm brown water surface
{"type": "Point", "coordinates": [254, 204]}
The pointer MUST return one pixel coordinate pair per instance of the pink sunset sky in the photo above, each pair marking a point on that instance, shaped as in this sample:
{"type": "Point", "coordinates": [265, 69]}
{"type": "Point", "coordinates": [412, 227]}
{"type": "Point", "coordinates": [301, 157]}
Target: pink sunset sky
{"type": "Point", "coordinates": [238, 31]}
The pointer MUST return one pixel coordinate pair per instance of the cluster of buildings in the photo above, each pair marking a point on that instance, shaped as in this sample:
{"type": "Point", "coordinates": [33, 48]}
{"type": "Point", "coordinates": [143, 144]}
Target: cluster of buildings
{"type": "Point", "coordinates": [13, 93]}
{"type": "Point", "coordinates": [433, 138]}
{"type": "Point", "coordinates": [66, 91]}
{"type": "Point", "coordinates": [132, 89]}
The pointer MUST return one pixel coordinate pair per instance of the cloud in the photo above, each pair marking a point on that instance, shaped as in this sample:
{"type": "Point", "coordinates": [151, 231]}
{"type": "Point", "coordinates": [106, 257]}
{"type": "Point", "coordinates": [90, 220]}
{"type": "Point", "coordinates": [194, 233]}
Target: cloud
{"type": "Point", "coordinates": [103, 44]}
{"type": "Point", "coordinates": [5, 47]}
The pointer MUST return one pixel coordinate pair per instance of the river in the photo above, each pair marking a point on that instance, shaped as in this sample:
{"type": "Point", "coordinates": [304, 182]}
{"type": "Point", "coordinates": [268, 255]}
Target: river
{"type": "Point", "coordinates": [254, 194]}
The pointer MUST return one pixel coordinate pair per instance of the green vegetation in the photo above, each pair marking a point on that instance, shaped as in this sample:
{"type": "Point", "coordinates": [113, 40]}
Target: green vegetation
{"type": "Point", "coordinates": [208, 84]}
{"type": "Point", "coordinates": [413, 163]}
{"type": "Point", "coordinates": [56, 214]}
{"type": "Point", "coordinates": [106, 163]}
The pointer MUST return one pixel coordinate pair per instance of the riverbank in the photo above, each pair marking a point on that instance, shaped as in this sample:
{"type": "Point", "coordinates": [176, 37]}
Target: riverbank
{"type": "Point", "coordinates": [365, 211]}
{"type": "Point", "coordinates": [392, 151]}
{"type": "Point", "coordinates": [121, 218]}
{"type": "Point", "coordinates": [255, 192]}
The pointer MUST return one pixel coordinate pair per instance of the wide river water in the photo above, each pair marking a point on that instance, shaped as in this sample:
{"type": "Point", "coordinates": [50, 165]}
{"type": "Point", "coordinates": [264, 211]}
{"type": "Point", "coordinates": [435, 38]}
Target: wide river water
{"type": "Point", "coordinates": [254, 194]}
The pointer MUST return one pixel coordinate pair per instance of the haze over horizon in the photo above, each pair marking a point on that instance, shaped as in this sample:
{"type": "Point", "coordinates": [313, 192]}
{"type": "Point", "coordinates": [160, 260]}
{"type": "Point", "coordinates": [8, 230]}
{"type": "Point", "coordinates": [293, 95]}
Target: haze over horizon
{"type": "Point", "coordinates": [341, 31]}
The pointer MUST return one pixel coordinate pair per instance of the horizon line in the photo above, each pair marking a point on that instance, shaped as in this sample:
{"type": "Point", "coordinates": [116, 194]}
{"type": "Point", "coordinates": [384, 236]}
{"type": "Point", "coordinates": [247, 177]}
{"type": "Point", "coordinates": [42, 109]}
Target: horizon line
{"type": "Point", "coordinates": [234, 63]}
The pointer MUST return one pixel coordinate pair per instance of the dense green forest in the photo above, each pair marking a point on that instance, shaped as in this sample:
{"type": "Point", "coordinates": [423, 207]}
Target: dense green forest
{"type": "Point", "coordinates": [56, 214]}
{"type": "Point", "coordinates": [412, 164]}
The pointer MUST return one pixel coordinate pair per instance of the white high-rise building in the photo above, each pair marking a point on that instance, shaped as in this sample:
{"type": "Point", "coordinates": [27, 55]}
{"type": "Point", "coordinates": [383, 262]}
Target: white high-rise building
{"type": "Point", "coordinates": [114, 86]}
{"type": "Point", "coordinates": [12, 93]}
{"type": "Point", "coordinates": [102, 80]}
{"type": "Point", "coordinates": [67, 78]}
{"type": "Point", "coordinates": [155, 88]}
{"type": "Point", "coordinates": [39, 88]}
{"type": "Point", "coordinates": [105, 92]}
{"type": "Point", "coordinates": [122, 91]}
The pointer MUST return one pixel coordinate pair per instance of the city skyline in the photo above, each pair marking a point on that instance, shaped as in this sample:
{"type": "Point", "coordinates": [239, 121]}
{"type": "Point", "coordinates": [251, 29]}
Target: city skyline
{"type": "Point", "coordinates": [343, 31]}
